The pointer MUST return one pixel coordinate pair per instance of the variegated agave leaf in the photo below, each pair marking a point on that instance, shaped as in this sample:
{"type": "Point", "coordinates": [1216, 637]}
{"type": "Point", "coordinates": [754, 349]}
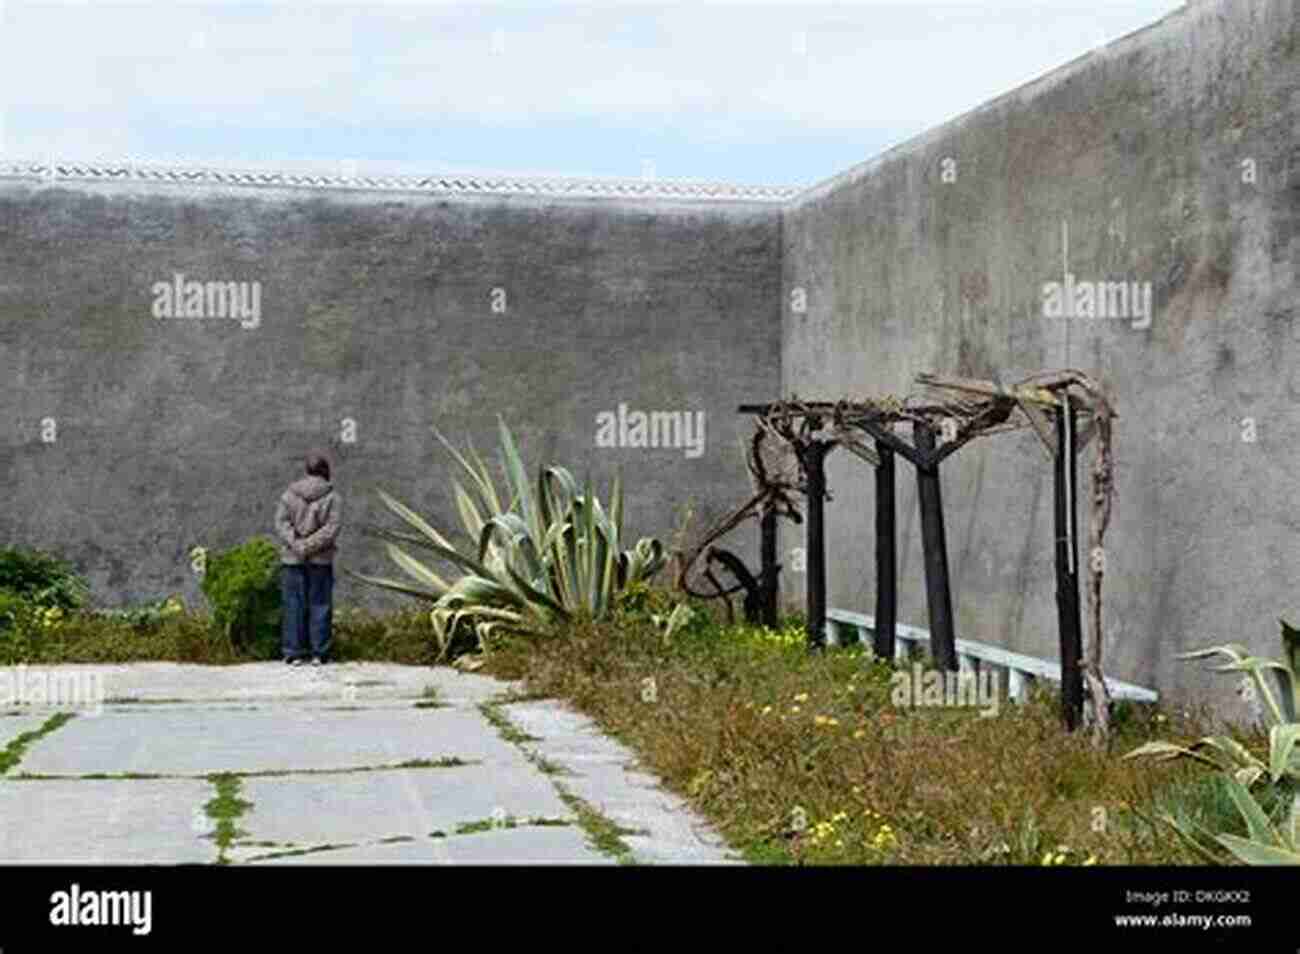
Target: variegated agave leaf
{"type": "Point", "coordinates": [1267, 844]}
{"type": "Point", "coordinates": [1278, 693]}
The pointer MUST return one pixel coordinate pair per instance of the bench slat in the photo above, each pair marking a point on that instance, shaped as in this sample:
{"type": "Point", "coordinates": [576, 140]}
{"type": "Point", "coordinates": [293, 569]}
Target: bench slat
{"type": "Point", "coordinates": [1014, 662]}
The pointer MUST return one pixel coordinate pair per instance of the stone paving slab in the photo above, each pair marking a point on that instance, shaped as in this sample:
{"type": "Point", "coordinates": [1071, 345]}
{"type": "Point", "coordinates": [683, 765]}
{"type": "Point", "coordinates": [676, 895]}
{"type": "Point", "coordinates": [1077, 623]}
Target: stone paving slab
{"type": "Point", "coordinates": [327, 736]}
{"type": "Point", "coordinates": [202, 740]}
{"type": "Point", "coordinates": [369, 806]}
{"type": "Point", "coordinates": [603, 776]}
{"type": "Point", "coordinates": [90, 822]}
{"type": "Point", "coordinates": [252, 682]}
{"type": "Point", "coordinates": [538, 845]}
{"type": "Point", "coordinates": [12, 726]}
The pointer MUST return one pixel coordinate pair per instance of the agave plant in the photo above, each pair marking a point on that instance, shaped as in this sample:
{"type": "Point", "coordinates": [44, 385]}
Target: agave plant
{"type": "Point", "coordinates": [535, 557]}
{"type": "Point", "coordinates": [1282, 706]}
{"type": "Point", "coordinates": [1228, 754]}
{"type": "Point", "coordinates": [1268, 844]}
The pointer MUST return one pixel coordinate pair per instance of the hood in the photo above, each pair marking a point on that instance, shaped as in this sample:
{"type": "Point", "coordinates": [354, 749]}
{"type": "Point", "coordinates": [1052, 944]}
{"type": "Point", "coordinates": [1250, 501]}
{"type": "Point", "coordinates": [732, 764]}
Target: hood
{"type": "Point", "coordinates": [310, 488]}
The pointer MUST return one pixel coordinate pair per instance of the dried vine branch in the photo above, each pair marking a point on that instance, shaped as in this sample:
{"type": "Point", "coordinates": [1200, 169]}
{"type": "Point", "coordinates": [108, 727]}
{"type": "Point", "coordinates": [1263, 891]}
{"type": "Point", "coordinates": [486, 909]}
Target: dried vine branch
{"type": "Point", "coordinates": [775, 484]}
{"type": "Point", "coordinates": [1103, 495]}
{"type": "Point", "coordinates": [1045, 389]}
{"type": "Point", "coordinates": [960, 410]}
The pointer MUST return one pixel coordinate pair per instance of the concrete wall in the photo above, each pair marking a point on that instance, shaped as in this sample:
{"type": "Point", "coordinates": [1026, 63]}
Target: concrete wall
{"type": "Point", "coordinates": [376, 308]}
{"type": "Point", "coordinates": [1170, 157]}
{"type": "Point", "coordinates": [1142, 150]}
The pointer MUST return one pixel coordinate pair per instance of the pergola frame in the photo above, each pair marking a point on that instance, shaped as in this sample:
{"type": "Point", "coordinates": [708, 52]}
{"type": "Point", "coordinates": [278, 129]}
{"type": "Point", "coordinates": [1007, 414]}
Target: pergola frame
{"type": "Point", "coordinates": [1066, 409]}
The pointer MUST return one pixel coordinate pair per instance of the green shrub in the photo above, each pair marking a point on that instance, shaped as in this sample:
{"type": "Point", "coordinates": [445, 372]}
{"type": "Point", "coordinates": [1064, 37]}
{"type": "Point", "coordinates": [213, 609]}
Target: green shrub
{"type": "Point", "coordinates": [243, 587]}
{"type": "Point", "coordinates": [145, 615]}
{"type": "Point", "coordinates": [42, 579]}
{"type": "Point", "coordinates": [404, 636]}
{"type": "Point", "coordinates": [670, 613]}
{"type": "Point", "coordinates": [19, 623]}
{"type": "Point", "coordinates": [12, 608]}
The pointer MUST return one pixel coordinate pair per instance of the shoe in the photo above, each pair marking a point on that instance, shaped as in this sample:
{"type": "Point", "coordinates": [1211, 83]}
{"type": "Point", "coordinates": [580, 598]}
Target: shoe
{"type": "Point", "coordinates": [295, 662]}
{"type": "Point", "coordinates": [318, 661]}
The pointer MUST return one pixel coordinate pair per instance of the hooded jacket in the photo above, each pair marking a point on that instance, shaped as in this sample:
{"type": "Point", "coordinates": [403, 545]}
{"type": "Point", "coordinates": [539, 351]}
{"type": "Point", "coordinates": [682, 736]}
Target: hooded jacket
{"type": "Point", "coordinates": [307, 522]}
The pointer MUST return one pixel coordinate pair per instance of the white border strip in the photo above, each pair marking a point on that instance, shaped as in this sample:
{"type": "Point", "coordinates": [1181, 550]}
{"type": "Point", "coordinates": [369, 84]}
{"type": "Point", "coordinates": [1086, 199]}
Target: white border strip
{"type": "Point", "coordinates": [1020, 668]}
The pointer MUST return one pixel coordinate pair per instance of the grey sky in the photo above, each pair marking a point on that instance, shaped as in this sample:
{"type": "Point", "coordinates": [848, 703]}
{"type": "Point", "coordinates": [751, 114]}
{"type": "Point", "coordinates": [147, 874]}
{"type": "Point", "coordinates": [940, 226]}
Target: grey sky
{"type": "Point", "coordinates": [750, 93]}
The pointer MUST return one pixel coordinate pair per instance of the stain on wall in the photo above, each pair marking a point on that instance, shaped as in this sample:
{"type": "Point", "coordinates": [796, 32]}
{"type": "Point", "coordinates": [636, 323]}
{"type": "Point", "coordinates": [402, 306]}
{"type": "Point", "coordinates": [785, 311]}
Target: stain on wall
{"type": "Point", "coordinates": [375, 310]}
{"type": "Point", "coordinates": [1138, 155]}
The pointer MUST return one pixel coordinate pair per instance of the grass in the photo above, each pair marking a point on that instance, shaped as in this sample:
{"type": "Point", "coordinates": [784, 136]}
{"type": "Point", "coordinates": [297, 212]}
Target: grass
{"type": "Point", "coordinates": [800, 758]}
{"type": "Point", "coordinates": [606, 835]}
{"type": "Point", "coordinates": [297, 852]}
{"type": "Point", "coordinates": [225, 809]}
{"type": "Point", "coordinates": [486, 824]}
{"type": "Point", "coordinates": [509, 821]}
{"type": "Point", "coordinates": [136, 701]}
{"type": "Point", "coordinates": [91, 776]}
{"type": "Point", "coordinates": [796, 758]}
{"type": "Point", "coordinates": [446, 762]}
{"type": "Point", "coordinates": [191, 637]}
{"type": "Point", "coordinates": [430, 699]}
{"type": "Point", "coordinates": [450, 761]}
{"type": "Point", "coordinates": [12, 753]}
{"type": "Point", "coordinates": [507, 729]}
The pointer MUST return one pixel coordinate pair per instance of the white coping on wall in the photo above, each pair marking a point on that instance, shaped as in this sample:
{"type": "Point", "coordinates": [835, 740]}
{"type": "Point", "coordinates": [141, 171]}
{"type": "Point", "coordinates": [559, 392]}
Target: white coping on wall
{"type": "Point", "coordinates": [1022, 670]}
{"type": "Point", "coordinates": [54, 169]}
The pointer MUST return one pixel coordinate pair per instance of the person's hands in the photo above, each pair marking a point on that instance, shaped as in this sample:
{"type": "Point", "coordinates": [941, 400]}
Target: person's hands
{"type": "Point", "coordinates": [299, 550]}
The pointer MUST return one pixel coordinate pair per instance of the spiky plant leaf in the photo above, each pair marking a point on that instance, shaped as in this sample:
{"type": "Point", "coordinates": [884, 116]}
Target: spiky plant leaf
{"type": "Point", "coordinates": [1282, 741]}
{"type": "Point", "coordinates": [1255, 853]}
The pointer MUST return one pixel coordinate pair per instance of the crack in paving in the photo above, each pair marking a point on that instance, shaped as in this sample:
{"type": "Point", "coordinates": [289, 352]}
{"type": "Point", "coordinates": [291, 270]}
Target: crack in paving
{"type": "Point", "coordinates": [496, 824]}
{"type": "Point", "coordinates": [462, 830]}
{"type": "Point", "coordinates": [449, 762]}
{"type": "Point", "coordinates": [135, 701]}
{"type": "Point", "coordinates": [196, 775]}
{"type": "Point", "coordinates": [605, 834]}
{"type": "Point", "coordinates": [13, 753]}
{"type": "Point", "coordinates": [316, 849]}
{"type": "Point", "coordinates": [225, 808]}
{"type": "Point", "coordinates": [625, 799]}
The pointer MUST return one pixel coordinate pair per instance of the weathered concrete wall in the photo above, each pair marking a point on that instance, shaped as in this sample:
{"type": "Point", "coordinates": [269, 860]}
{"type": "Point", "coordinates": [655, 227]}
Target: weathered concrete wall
{"type": "Point", "coordinates": [376, 308]}
{"type": "Point", "coordinates": [1144, 150]}
{"type": "Point", "coordinates": [1170, 157]}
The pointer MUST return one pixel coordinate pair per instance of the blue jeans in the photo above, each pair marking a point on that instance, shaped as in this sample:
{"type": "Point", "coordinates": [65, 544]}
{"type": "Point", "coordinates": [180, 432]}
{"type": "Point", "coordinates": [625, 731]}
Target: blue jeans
{"type": "Point", "coordinates": [308, 591]}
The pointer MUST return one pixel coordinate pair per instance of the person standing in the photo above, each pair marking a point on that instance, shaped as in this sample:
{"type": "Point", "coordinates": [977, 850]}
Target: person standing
{"type": "Point", "coordinates": [307, 522]}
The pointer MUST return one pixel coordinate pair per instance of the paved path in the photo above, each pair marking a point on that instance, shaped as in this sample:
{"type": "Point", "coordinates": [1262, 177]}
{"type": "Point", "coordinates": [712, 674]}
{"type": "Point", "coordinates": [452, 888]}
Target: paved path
{"type": "Point", "coordinates": [357, 763]}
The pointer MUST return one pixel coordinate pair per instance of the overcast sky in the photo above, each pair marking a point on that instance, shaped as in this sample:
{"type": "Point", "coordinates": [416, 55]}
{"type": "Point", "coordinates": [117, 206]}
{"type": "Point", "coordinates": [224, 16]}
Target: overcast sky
{"type": "Point", "coordinates": [772, 93]}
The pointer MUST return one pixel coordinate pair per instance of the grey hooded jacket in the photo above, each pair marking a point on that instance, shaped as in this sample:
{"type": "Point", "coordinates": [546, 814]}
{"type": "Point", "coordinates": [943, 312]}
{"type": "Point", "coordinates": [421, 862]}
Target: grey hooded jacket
{"type": "Point", "coordinates": [307, 522]}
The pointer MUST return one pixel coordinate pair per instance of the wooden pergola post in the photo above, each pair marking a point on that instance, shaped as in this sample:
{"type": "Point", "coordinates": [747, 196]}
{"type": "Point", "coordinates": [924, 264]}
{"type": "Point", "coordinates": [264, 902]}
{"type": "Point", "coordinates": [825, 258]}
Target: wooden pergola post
{"type": "Point", "coordinates": [1038, 398]}
{"type": "Point", "coordinates": [886, 555]}
{"type": "Point", "coordinates": [943, 641]}
{"type": "Point", "coordinates": [1067, 568]}
{"type": "Point", "coordinates": [814, 461]}
{"type": "Point", "coordinates": [767, 556]}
